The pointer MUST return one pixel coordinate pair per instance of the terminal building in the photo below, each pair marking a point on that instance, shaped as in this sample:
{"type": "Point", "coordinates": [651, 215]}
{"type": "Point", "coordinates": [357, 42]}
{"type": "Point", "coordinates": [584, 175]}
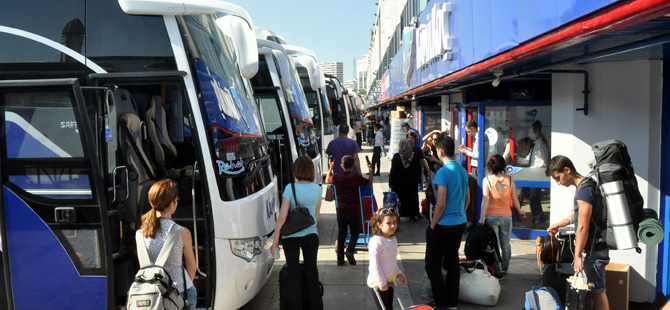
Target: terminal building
{"type": "Point", "coordinates": [587, 70]}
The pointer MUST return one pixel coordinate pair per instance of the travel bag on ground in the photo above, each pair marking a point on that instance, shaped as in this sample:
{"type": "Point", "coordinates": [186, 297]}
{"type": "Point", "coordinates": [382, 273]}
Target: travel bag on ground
{"type": "Point", "coordinates": [542, 298]}
{"type": "Point", "coordinates": [555, 276]}
{"type": "Point", "coordinates": [482, 243]}
{"type": "Point", "coordinates": [477, 285]}
{"type": "Point", "coordinates": [153, 288]}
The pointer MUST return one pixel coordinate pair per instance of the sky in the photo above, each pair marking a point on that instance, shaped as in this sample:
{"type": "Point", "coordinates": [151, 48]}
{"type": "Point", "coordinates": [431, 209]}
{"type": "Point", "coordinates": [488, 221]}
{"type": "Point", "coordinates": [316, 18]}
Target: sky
{"type": "Point", "coordinates": [337, 31]}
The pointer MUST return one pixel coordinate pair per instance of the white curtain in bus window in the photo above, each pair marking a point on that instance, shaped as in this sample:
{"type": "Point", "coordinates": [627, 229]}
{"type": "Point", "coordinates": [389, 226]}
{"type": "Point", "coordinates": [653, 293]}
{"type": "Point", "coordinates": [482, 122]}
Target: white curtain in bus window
{"type": "Point", "coordinates": [522, 136]}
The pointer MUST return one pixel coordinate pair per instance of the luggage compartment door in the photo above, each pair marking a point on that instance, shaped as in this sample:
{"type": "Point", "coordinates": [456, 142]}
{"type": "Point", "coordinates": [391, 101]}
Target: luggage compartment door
{"type": "Point", "coordinates": [51, 202]}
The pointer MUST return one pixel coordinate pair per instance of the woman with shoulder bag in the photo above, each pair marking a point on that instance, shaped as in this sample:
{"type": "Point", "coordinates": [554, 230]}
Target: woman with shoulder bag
{"type": "Point", "coordinates": [156, 224]}
{"type": "Point", "coordinates": [498, 189]}
{"type": "Point", "coordinates": [303, 193]}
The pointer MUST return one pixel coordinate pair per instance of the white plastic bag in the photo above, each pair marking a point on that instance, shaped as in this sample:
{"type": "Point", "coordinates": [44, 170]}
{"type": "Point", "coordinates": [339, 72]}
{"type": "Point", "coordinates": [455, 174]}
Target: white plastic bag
{"type": "Point", "coordinates": [478, 286]}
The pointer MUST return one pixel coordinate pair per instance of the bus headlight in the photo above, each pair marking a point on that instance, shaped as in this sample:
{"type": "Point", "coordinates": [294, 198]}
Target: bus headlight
{"type": "Point", "coordinates": [246, 248]}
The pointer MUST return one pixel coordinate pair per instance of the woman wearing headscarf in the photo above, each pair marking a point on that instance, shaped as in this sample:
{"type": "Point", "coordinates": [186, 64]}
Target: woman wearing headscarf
{"type": "Point", "coordinates": [404, 179]}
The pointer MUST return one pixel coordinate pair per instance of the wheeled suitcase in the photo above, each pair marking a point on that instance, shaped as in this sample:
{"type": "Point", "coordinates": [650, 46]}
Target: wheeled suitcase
{"type": "Point", "coordinates": [284, 290]}
{"type": "Point", "coordinates": [555, 276]}
{"type": "Point", "coordinates": [416, 307]}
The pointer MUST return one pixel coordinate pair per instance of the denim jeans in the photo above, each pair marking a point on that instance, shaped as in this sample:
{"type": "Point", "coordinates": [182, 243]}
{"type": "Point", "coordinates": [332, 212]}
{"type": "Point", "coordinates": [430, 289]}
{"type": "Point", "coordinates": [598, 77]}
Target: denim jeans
{"type": "Point", "coordinates": [352, 223]}
{"type": "Point", "coordinates": [442, 244]}
{"type": "Point", "coordinates": [502, 225]}
{"type": "Point", "coordinates": [594, 267]}
{"type": "Point", "coordinates": [192, 295]}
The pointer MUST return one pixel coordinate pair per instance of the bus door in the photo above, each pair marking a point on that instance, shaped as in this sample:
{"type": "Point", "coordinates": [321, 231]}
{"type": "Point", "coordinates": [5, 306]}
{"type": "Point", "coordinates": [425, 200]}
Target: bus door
{"type": "Point", "coordinates": [51, 210]}
{"type": "Point", "coordinates": [277, 132]}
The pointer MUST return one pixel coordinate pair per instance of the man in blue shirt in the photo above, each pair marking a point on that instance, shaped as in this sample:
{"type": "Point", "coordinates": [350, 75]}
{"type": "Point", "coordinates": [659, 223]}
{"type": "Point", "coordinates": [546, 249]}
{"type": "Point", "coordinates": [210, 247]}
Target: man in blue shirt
{"type": "Point", "coordinates": [342, 146]}
{"type": "Point", "coordinates": [418, 143]}
{"type": "Point", "coordinates": [588, 219]}
{"type": "Point", "coordinates": [443, 237]}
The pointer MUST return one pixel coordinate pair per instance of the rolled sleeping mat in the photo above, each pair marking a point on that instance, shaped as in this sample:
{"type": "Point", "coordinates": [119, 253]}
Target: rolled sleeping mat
{"type": "Point", "coordinates": [650, 231]}
{"type": "Point", "coordinates": [619, 215]}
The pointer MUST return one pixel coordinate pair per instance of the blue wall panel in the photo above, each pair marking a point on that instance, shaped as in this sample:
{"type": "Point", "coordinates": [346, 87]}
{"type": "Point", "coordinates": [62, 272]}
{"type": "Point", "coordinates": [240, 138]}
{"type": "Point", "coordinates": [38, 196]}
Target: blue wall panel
{"type": "Point", "coordinates": [484, 28]}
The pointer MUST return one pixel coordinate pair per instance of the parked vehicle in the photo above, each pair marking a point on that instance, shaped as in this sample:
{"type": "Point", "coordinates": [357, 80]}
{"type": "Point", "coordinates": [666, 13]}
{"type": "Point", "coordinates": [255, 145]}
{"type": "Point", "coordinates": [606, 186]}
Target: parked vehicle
{"type": "Point", "coordinates": [159, 90]}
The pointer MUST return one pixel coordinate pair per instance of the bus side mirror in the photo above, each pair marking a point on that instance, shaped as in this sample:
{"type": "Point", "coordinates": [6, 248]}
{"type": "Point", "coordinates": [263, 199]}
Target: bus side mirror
{"type": "Point", "coordinates": [245, 42]}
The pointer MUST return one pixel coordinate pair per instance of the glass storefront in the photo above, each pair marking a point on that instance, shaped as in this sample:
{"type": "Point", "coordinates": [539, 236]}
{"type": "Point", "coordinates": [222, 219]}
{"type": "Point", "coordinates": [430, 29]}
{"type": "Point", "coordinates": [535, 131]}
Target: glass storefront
{"type": "Point", "coordinates": [521, 133]}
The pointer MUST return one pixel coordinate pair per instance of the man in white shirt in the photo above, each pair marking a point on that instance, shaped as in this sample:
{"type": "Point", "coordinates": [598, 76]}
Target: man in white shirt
{"type": "Point", "coordinates": [536, 158]}
{"type": "Point", "coordinates": [471, 129]}
{"type": "Point", "coordinates": [376, 153]}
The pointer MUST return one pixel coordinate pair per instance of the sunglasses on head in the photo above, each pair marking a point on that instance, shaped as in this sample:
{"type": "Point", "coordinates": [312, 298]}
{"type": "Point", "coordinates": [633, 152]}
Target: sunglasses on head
{"type": "Point", "coordinates": [387, 211]}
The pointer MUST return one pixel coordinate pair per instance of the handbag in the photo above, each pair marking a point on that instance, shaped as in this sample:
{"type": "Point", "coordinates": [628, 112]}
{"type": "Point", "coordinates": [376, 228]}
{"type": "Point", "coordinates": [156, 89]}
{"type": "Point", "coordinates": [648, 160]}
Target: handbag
{"type": "Point", "coordinates": [478, 286]}
{"type": "Point", "coordinates": [297, 219]}
{"type": "Point", "coordinates": [330, 192]}
{"type": "Point", "coordinates": [577, 297]}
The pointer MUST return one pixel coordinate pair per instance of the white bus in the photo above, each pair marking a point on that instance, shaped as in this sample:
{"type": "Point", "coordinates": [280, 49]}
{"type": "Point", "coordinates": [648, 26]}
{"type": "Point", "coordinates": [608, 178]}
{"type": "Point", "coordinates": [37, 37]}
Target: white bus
{"type": "Point", "coordinates": [284, 111]}
{"type": "Point", "coordinates": [99, 100]}
{"type": "Point", "coordinates": [314, 85]}
{"type": "Point", "coordinates": [342, 109]}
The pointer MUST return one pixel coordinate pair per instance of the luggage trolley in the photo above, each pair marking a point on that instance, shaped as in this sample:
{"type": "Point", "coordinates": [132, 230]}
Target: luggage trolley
{"type": "Point", "coordinates": [367, 203]}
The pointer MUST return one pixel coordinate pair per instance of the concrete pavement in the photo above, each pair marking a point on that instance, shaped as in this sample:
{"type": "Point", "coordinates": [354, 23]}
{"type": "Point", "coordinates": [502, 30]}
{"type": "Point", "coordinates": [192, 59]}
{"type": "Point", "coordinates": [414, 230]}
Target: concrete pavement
{"type": "Point", "coordinates": [345, 288]}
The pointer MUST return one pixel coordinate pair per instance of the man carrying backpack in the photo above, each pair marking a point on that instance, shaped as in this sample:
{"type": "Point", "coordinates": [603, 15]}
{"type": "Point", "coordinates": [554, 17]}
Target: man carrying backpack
{"type": "Point", "coordinates": [588, 217]}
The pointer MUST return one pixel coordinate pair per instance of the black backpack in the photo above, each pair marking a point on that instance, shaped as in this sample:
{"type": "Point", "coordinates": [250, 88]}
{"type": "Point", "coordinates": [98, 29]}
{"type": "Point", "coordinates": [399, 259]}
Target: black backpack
{"type": "Point", "coordinates": [614, 164]}
{"type": "Point", "coordinates": [482, 243]}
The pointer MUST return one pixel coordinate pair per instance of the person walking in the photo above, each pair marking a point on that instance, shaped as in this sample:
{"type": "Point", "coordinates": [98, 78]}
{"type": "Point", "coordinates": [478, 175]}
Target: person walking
{"type": "Point", "coordinates": [407, 129]}
{"type": "Point", "coordinates": [156, 225]}
{"type": "Point", "coordinates": [342, 146]}
{"type": "Point", "coordinates": [496, 211]}
{"type": "Point", "coordinates": [359, 134]}
{"type": "Point", "coordinates": [377, 151]}
{"type": "Point", "coordinates": [383, 252]}
{"type": "Point", "coordinates": [443, 236]}
{"type": "Point", "coordinates": [307, 195]}
{"type": "Point", "coordinates": [404, 179]}
{"type": "Point", "coordinates": [348, 205]}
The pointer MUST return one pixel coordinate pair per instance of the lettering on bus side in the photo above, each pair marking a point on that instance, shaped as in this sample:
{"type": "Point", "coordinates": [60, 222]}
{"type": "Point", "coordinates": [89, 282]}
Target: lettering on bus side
{"type": "Point", "coordinates": [231, 168]}
{"type": "Point", "coordinates": [270, 207]}
{"type": "Point", "coordinates": [70, 124]}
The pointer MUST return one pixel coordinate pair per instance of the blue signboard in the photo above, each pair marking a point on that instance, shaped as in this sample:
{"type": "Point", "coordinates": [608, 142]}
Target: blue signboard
{"type": "Point", "coordinates": [454, 34]}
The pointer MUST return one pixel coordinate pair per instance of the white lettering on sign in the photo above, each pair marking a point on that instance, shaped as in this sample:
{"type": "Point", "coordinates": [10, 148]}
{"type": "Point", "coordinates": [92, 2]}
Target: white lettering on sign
{"type": "Point", "coordinates": [432, 39]}
{"type": "Point", "coordinates": [71, 124]}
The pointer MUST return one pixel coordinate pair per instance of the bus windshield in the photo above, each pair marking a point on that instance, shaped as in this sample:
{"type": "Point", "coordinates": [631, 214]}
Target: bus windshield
{"type": "Point", "coordinates": [317, 116]}
{"type": "Point", "coordinates": [235, 136]}
{"type": "Point", "coordinates": [300, 116]}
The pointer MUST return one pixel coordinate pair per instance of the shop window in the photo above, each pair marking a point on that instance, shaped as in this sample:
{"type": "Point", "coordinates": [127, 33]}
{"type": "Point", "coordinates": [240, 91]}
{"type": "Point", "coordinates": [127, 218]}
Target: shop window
{"type": "Point", "coordinates": [522, 135]}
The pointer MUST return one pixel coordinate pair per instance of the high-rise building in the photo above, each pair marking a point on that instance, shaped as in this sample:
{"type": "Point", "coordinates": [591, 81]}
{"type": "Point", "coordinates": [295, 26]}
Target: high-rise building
{"type": "Point", "coordinates": [333, 68]}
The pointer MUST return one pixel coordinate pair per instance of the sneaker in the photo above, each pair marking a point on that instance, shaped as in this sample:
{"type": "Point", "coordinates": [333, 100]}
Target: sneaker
{"type": "Point", "coordinates": [340, 262]}
{"type": "Point", "coordinates": [351, 259]}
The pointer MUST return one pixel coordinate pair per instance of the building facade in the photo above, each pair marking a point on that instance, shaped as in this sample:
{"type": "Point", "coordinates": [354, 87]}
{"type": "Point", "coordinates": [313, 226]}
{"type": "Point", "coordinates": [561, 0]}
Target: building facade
{"type": "Point", "coordinates": [333, 68]}
{"type": "Point", "coordinates": [588, 71]}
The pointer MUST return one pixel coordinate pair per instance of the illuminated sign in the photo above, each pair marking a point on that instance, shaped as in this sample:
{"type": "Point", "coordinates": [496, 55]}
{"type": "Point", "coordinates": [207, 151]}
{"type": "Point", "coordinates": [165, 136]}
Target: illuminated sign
{"type": "Point", "coordinates": [433, 38]}
{"type": "Point", "coordinates": [232, 168]}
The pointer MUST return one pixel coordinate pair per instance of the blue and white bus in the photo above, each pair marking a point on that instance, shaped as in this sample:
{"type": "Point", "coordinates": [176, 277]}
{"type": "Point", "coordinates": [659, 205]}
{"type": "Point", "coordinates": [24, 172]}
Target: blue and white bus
{"type": "Point", "coordinates": [314, 85]}
{"type": "Point", "coordinates": [99, 99]}
{"type": "Point", "coordinates": [284, 111]}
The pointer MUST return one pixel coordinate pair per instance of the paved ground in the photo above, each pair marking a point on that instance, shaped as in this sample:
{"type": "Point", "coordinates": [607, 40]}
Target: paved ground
{"type": "Point", "coordinates": [344, 286]}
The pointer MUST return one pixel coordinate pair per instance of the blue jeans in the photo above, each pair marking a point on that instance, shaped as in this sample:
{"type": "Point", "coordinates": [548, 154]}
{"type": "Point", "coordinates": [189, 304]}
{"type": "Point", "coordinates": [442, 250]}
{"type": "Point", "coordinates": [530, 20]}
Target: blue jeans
{"type": "Point", "coordinates": [594, 267]}
{"type": "Point", "coordinates": [502, 225]}
{"type": "Point", "coordinates": [192, 297]}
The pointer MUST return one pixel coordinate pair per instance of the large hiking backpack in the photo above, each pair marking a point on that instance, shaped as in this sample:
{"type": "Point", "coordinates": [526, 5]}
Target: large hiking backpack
{"type": "Point", "coordinates": [614, 164]}
{"type": "Point", "coordinates": [482, 243]}
{"type": "Point", "coordinates": [153, 288]}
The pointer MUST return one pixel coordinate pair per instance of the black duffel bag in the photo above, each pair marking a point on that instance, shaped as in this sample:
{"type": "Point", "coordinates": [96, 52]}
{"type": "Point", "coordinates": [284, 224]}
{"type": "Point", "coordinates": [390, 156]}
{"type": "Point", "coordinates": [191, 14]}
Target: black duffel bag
{"type": "Point", "coordinates": [553, 250]}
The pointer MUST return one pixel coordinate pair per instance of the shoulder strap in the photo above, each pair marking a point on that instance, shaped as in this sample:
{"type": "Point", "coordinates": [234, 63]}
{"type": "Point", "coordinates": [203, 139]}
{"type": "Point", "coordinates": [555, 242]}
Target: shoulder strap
{"type": "Point", "coordinates": [142, 252]}
{"type": "Point", "coordinates": [170, 241]}
{"type": "Point", "coordinates": [488, 179]}
{"type": "Point", "coordinates": [295, 197]}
